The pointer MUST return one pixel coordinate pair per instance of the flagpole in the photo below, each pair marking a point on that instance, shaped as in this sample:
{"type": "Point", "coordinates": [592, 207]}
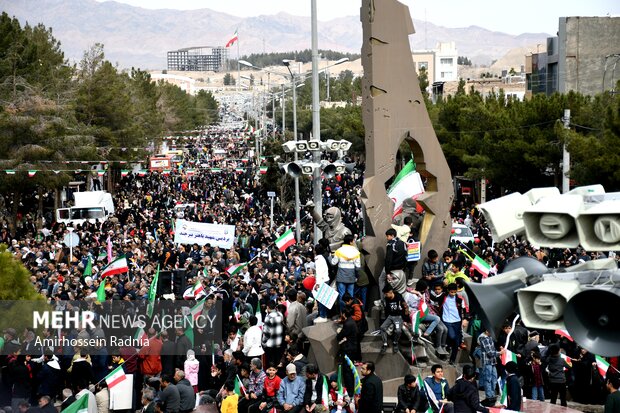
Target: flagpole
{"type": "Point", "coordinates": [238, 67]}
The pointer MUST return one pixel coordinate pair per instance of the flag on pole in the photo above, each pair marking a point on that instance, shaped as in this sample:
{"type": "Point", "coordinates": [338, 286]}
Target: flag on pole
{"type": "Point", "coordinates": [286, 240]}
{"type": "Point", "coordinates": [503, 398]}
{"type": "Point", "coordinates": [357, 383]}
{"type": "Point", "coordinates": [194, 312]}
{"type": "Point", "coordinates": [78, 406]}
{"type": "Point", "coordinates": [564, 333]}
{"type": "Point", "coordinates": [406, 185]}
{"type": "Point", "coordinates": [423, 308]}
{"type": "Point", "coordinates": [32, 173]}
{"type": "Point", "coordinates": [102, 255]}
{"type": "Point", "coordinates": [109, 249]}
{"type": "Point", "coordinates": [118, 266]}
{"type": "Point", "coordinates": [101, 291]}
{"type": "Point", "coordinates": [478, 263]}
{"type": "Point", "coordinates": [342, 391]}
{"type": "Point", "coordinates": [152, 294]}
{"type": "Point", "coordinates": [239, 387]}
{"type": "Point", "coordinates": [416, 319]}
{"type": "Point", "coordinates": [508, 356]}
{"type": "Point", "coordinates": [194, 292]}
{"type": "Point", "coordinates": [10, 171]}
{"type": "Point", "coordinates": [115, 377]}
{"type": "Point", "coordinates": [325, 395]}
{"type": "Point", "coordinates": [124, 172]}
{"type": "Point", "coordinates": [263, 170]}
{"type": "Point", "coordinates": [140, 335]}
{"type": "Point", "coordinates": [233, 39]}
{"type": "Point", "coordinates": [235, 269]}
{"type": "Point", "coordinates": [88, 270]}
{"type": "Point", "coordinates": [602, 365]}
{"type": "Point", "coordinates": [430, 396]}
{"type": "Point", "coordinates": [258, 314]}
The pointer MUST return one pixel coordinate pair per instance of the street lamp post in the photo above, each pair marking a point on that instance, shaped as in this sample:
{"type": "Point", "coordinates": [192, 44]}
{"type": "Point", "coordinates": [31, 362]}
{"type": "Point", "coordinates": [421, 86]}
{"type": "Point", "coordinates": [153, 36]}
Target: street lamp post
{"type": "Point", "coordinates": [297, 202]}
{"type": "Point", "coordinates": [316, 120]}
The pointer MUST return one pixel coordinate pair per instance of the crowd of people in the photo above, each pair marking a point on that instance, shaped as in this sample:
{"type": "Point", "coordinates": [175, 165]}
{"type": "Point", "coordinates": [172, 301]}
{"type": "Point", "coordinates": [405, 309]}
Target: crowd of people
{"type": "Point", "coordinates": [267, 299]}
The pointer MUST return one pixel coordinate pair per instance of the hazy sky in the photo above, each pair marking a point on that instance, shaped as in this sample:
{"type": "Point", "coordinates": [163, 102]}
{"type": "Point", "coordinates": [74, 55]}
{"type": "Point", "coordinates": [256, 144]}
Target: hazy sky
{"type": "Point", "coordinates": [515, 17]}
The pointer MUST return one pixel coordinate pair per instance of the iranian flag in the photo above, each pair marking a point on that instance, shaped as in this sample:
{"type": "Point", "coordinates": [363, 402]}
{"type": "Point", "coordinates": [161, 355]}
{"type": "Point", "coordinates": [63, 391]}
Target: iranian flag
{"type": "Point", "coordinates": [602, 365]}
{"type": "Point", "coordinates": [258, 315]}
{"type": "Point", "coordinates": [100, 173]}
{"type": "Point", "coordinates": [78, 406]}
{"type": "Point", "coordinates": [481, 266]}
{"type": "Point", "coordinates": [140, 335]}
{"type": "Point", "coordinates": [563, 333]}
{"type": "Point", "coordinates": [239, 387]}
{"type": "Point", "coordinates": [503, 398]}
{"type": "Point", "coordinates": [407, 185]}
{"type": "Point", "coordinates": [10, 171]}
{"type": "Point", "coordinates": [152, 294]}
{"type": "Point", "coordinates": [263, 170]}
{"type": "Point", "coordinates": [124, 172]}
{"type": "Point", "coordinates": [567, 359]}
{"type": "Point", "coordinates": [286, 240]}
{"type": "Point", "coordinates": [235, 269]}
{"type": "Point", "coordinates": [118, 266]}
{"type": "Point", "coordinates": [194, 292]}
{"type": "Point", "coordinates": [500, 410]}
{"type": "Point", "coordinates": [508, 356]}
{"type": "Point", "coordinates": [216, 169]}
{"type": "Point", "coordinates": [416, 318]}
{"type": "Point", "coordinates": [117, 376]}
{"type": "Point", "coordinates": [432, 399]}
{"type": "Point", "coordinates": [422, 308]}
{"type": "Point", "coordinates": [325, 395]}
{"type": "Point", "coordinates": [101, 291]}
{"type": "Point", "coordinates": [233, 39]}
{"type": "Point", "coordinates": [32, 173]}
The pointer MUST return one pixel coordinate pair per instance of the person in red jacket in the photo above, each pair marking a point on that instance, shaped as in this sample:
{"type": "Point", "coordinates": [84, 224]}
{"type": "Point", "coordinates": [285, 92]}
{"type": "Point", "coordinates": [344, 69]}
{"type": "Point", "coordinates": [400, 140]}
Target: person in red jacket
{"type": "Point", "coordinates": [150, 355]}
{"type": "Point", "coordinates": [272, 385]}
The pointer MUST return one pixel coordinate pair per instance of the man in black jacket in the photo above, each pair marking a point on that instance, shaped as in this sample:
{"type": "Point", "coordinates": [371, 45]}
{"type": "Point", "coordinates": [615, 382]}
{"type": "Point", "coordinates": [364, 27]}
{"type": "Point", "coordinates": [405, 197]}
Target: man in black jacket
{"type": "Point", "coordinates": [186, 392]}
{"type": "Point", "coordinates": [464, 393]}
{"type": "Point", "coordinates": [395, 261]}
{"type": "Point", "coordinates": [409, 398]}
{"type": "Point", "coordinates": [371, 396]}
{"type": "Point", "coordinates": [314, 386]}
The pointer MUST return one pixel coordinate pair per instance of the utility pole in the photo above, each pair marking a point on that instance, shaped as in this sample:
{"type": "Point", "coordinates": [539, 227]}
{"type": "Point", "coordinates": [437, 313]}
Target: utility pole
{"type": "Point", "coordinates": [316, 120]}
{"type": "Point", "coordinates": [566, 155]}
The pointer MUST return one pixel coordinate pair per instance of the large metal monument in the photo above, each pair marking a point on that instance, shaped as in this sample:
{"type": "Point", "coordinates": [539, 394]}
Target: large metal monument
{"type": "Point", "coordinates": [394, 111]}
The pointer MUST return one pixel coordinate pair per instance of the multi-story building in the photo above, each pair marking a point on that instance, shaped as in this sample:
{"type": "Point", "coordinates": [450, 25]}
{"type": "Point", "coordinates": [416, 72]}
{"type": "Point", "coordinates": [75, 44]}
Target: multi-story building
{"type": "Point", "coordinates": [198, 59]}
{"type": "Point", "coordinates": [440, 65]}
{"type": "Point", "coordinates": [583, 57]}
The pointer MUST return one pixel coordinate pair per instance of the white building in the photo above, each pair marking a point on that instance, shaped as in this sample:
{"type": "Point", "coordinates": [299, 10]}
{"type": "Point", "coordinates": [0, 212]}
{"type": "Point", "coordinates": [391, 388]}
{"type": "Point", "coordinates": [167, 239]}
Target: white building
{"type": "Point", "coordinates": [446, 68]}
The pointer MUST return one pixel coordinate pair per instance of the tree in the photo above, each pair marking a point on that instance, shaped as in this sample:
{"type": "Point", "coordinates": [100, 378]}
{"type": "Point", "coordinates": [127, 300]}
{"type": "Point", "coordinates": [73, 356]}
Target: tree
{"type": "Point", "coordinates": [229, 80]}
{"type": "Point", "coordinates": [423, 80]}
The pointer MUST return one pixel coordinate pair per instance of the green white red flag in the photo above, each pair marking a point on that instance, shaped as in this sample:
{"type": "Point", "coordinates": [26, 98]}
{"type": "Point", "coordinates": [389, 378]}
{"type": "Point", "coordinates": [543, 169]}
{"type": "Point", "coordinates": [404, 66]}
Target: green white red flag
{"type": "Point", "coordinates": [78, 406]}
{"type": "Point", "coordinates": [115, 377]}
{"type": "Point", "coordinates": [234, 269]}
{"type": "Point", "coordinates": [286, 240]}
{"type": "Point", "coordinates": [118, 266]}
{"type": "Point", "coordinates": [602, 365]}
{"type": "Point", "coordinates": [233, 39]}
{"type": "Point", "coordinates": [508, 356]}
{"type": "Point", "coordinates": [564, 333]}
{"type": "Point", "coordinates": [407, 185]}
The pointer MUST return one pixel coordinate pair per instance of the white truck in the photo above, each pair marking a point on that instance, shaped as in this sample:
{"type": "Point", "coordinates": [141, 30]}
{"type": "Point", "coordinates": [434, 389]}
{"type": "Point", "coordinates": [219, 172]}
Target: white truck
{"type": "Point", "coordinates": [89, 206]}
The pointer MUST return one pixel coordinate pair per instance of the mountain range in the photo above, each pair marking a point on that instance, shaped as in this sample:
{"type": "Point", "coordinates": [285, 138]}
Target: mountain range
{"type": "Point", "coordinates": [137, 37]}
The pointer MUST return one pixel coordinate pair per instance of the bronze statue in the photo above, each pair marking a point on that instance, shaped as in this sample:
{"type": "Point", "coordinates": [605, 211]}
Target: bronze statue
{"type": "Point", "coordinates": [331, 225]}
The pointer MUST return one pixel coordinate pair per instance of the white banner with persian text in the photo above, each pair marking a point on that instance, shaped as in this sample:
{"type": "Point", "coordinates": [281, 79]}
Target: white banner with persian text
{"type": "Point", "coordinates": [188, 232]}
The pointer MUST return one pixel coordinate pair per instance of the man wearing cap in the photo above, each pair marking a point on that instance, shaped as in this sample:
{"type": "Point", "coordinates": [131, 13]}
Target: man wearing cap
{"type": "Point", "coordinates": [291, 392]}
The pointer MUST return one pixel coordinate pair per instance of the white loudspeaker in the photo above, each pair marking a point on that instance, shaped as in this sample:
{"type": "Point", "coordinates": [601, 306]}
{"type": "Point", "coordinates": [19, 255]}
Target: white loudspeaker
{"type": "Point", "coordinates": [292, 169]}
{"type": "Point", "coordinates": [551, 222]}
{"type": "Point", "coordinates": [587, 190]}
{"type": "Point", "coordinates": [288, 146]}
{"type": "Point", "coordinates": [542, 305]}
{"type": "Point", "coordinates": [599, 227]}
{"type": "Point", "coordinates": [332, 145]}
{"type": "Point", "coordinates": [505, 215]}
{"type": "Point", "coordinates": [596, 265]}
{"type": "Point", "coordinates": [307, 168]}
{"type": "Point", "coordinates": [314, 145]}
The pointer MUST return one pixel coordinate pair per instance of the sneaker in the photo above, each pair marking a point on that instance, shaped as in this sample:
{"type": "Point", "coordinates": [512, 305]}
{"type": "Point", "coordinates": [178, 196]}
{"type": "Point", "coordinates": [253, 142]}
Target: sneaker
{"type": "Point", "coordinates": [488, 402]}
{"type": "Point", "coordinates": [441, 351]}
{"type": "Point", "coordinates": [426, 340]}
{"type": "Point", "coordinates": [320, 320]}
{"type": "Point", "coordinates": [395, 349]}
{"type": "Point", "coordinates": [383, 349]}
